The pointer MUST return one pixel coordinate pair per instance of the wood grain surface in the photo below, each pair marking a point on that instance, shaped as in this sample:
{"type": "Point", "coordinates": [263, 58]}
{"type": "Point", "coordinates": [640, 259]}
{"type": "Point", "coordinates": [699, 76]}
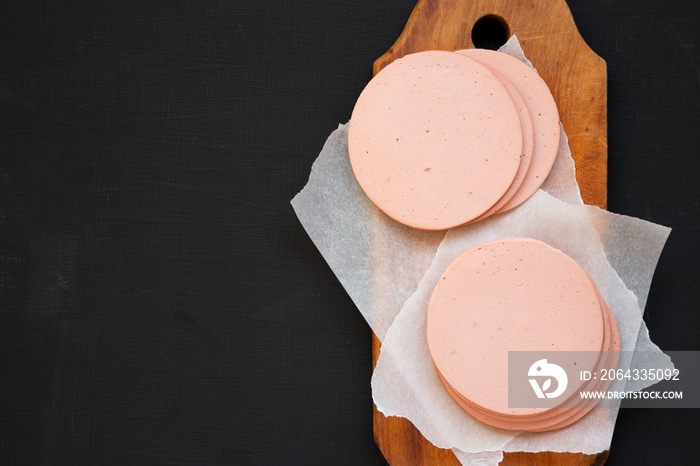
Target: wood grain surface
{"type": "Point", "coordinates": [577, 78]}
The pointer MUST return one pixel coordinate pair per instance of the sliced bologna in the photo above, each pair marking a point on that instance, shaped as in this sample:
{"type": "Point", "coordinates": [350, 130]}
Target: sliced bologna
{"type": "Point", "coordinates": [544, 113]}
{"type": "Point", "coordinates": [516, 295]}
{"type": "Point", "coordinates": [571, 411]}
{"type": "Point", "coordinates": [435, 140]}
{"type": "Point", "coordinates": [528, 146]}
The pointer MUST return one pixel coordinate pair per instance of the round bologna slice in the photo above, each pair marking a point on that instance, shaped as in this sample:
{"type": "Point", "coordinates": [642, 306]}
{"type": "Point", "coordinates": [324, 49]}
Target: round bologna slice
{"type": "Point", "coordinates": [544, 113]}
{"type": "Point", "coordinates": [508, 295]}
{"type": "Point", "coordinates": [435, 140]}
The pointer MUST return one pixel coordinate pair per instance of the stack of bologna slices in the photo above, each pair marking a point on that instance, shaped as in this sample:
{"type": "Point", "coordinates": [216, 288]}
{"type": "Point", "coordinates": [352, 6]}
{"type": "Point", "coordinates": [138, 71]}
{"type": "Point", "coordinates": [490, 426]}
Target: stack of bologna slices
{"type": "Point", "coordinates": [518, 295]}
{"type": "Point", "coordinates": [440, 139]}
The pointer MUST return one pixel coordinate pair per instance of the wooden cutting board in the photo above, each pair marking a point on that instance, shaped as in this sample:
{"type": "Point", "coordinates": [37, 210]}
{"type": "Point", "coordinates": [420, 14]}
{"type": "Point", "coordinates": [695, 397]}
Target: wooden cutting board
{"type": "Point", "coordinates": [577, 78]}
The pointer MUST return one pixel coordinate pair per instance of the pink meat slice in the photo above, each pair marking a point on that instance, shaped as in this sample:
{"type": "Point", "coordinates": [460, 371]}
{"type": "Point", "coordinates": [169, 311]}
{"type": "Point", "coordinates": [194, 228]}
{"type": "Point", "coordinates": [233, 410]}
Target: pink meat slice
{"type": "Point", "coordinates": [508, 295]}
{"type": "Point", "coordinates": [544, 113]}
{"type": "Point", "coordinates": [435, 140]}
{"type": "Point", "coordinates": [528, 145]}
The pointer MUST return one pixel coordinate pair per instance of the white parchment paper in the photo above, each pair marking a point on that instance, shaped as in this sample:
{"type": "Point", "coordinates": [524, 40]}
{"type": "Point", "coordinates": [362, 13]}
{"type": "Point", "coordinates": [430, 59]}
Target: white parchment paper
{"type": "Point", "coordinates": [389, 271]}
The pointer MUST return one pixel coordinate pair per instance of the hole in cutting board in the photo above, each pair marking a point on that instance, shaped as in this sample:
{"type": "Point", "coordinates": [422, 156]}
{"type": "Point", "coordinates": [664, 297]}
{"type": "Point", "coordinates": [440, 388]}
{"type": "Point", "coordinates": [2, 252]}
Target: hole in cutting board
{"type": "Point", "coordinates": [490, 32]}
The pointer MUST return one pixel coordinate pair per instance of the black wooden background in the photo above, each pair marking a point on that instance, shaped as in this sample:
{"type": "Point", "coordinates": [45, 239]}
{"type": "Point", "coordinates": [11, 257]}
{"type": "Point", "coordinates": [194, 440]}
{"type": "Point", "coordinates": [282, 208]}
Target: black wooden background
{"type": "Point", "coordinates": [160, 302]}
